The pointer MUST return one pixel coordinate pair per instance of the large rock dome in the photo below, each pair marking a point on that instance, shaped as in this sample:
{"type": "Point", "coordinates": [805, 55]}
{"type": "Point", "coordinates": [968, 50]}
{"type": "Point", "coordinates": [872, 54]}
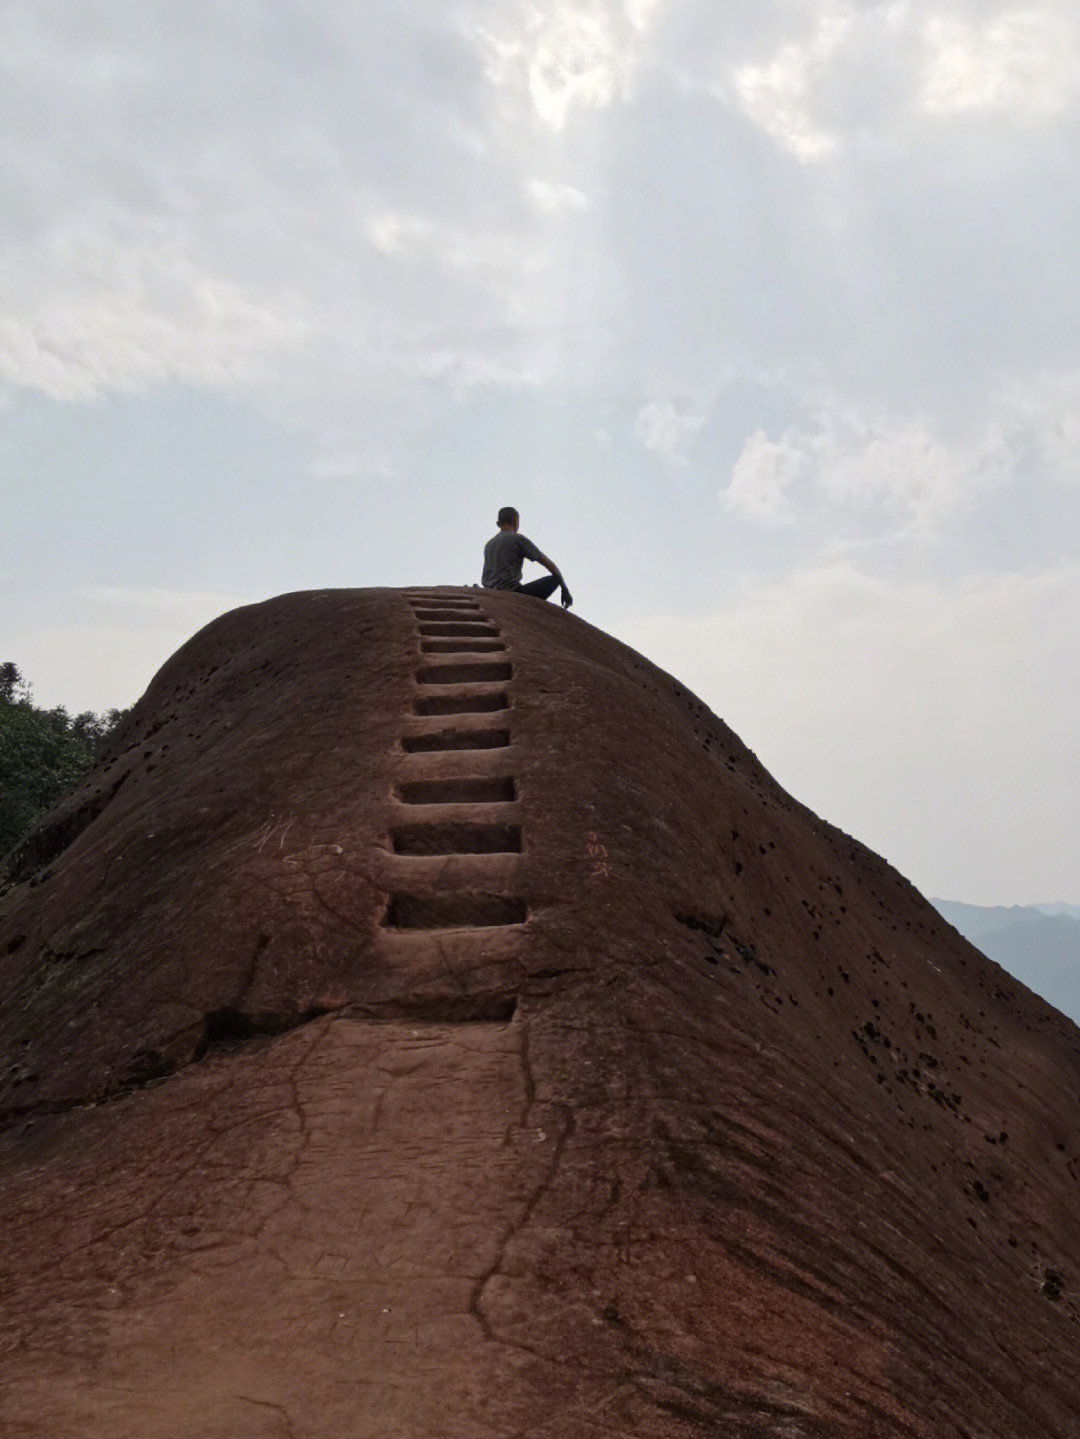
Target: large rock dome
{"type": "Point", "coordinates": [429, 1020]}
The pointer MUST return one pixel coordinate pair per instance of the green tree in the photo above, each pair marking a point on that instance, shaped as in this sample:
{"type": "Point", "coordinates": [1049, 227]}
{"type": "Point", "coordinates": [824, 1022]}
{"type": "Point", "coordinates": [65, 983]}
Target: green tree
{"type": "Point", "coordinates": [42, 753]}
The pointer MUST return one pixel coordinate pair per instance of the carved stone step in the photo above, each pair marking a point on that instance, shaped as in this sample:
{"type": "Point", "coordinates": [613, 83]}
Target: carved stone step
{"type": "Point", "coordinates": [456, 838]}
{"type": "Point", "coordinates": [435, 741]}
{"type": "Point", "coordinates": [465, 703]}
{"type": "Point", "coordinates": [448, 629]}
{"type": "Point", "coordinates": [490, 789]}
{"type": "Point", "coordinates": [430, 875]}
{"type": "Point", "coordinates": [457, 674]}
{"type": "Point", "coordinates": [454, 911]}
{"type": "Point", "coordinates": [446, 615]}
{"type": "Point", "coordinates": [452, 646]}
{"type": "Point", "coordinates": [451, 601]}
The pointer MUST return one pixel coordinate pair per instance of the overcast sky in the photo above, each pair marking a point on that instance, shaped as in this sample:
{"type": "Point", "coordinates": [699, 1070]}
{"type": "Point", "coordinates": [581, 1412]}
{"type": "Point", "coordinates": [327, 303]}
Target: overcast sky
{"type": "Point", "coordinates": [766, 317]}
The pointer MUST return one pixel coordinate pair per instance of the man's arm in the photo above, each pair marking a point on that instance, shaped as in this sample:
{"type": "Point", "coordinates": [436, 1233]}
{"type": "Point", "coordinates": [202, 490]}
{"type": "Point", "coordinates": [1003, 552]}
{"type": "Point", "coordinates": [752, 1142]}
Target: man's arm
{"type": "Point", "coordinates": [566, 598]}
{"type": "Point", "coordinates": [530, 552]}
{"type": "Point", "coordinates": [542, 559]}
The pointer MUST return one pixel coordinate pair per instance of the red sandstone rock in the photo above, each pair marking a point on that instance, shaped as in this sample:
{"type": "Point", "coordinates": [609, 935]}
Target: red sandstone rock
{"type": "Point", "coordinates": [433, 1022]}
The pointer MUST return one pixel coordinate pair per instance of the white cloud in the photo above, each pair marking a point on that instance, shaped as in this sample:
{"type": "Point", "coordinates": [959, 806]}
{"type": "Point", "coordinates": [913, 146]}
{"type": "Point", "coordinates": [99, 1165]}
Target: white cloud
{"type": "Point", "coordinates": [641, 13]}
{"type": "Point", "coordinates": [867, 462]}
{"type": "Point", "coordinates": [553, 199]}
{"type": "Point", "coordinates": [778, 95]}
{"type": "Point", "coordinates": [765, 474]}
{"type": "Point", "coordinates": [107, 306]}
{"type": "Point", "coordinates": [286, 234]}
{"type": "Point", "coordinates": [462, 372]}
{"type": "Point", "coordinates": [564, 55]}
{"type": "Point", "coordinates": [933, 720]}
{"type": "Point", "coordinates": [843, 71]}
{"type": "Point", "coordinates": [1044, 414]}
{"type": "Point", "coordinates": [1024, 62]}
{"type": "Point", "coordinates": [574, 62]}
{"type": "Point", "coordinates": [320, 233]}
{"type": "Point", "coordinates": [668, 428]}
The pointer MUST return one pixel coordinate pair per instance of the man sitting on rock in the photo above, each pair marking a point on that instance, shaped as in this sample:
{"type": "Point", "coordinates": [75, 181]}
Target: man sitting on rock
{"type": "Point", "coordinates": [503, 557]}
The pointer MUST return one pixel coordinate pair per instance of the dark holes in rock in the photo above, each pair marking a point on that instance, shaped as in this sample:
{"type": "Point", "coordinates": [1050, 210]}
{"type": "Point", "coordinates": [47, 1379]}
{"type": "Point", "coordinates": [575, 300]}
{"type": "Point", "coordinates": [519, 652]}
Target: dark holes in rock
{"type": "Point", "coordinates": [457, 839]}
{"type": "Point", "coordinates": [454, 739]}
{"type": "Point", "coordinates": [710, 924]}
{"type": "Point", "coordinates": [454, 911]}
{"type": "Point", "coordinates": [229, 1026]}
{"type": "Point", "coordinates": [1053, 1284]}
{"type": "Point", "coordinates": [486, 790]}
{"type": "Point", "coordinates": [460, 704]}
{"type": "Point", "coordinates": [464, 674]}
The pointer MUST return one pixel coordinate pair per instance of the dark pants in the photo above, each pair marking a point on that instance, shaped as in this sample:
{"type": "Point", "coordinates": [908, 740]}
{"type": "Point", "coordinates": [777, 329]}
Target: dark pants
{"type": "Point", "coordinates": [542, 589]}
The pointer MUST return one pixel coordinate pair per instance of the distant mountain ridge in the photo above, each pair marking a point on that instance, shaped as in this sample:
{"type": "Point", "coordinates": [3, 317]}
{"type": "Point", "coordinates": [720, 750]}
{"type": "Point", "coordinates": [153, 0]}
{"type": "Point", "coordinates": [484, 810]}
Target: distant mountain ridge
{"type": "Point", "coordinates": [1038, 944]}
{"type": "Point", "coordinates": [1071, 911]}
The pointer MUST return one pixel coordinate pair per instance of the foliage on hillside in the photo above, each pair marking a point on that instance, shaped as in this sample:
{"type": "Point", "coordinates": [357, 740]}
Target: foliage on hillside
{"type": "Point", "coordinates": [42, 753]}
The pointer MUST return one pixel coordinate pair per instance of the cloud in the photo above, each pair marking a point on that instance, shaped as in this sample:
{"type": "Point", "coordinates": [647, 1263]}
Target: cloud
{"type": "Point", "coordinates": [765, 474]}
{"type": "Point", "coordinates": [668, 428]}
{"type": "Point", "coordinates": [778, 95]}
{"type": "Point", "coordinates": [555, 199]}
{"type": "Point", "coordinates": [1021, 62]}
{"type": "Point", "coordinates": [1044, 417]}
{"type": "Point", "coordinates": [897, 475]}
{"type": "Point", "coordinates": [573, 62]}
{"type": "Point", "coordinates": [868, 462]}
{"type": "Point", "coordinates": [933, 719]}
{"type": "Point", "coordinates": [851, 71]}
{"type": "Point", "coordinates": [384, 214]}
{"type": "Point", "coordinates": [354, 230]}
{"type": "Point", "coordinates": [563, 55]}
{"type": "Point", "coordinates": [641, 13]}
{"type": "Point", "coordinates": [107, 306]}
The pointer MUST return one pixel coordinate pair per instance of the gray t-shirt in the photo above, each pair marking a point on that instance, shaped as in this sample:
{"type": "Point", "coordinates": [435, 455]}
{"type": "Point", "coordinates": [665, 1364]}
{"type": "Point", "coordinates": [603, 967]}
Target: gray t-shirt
{"type": "Point", "coordinates": [503, 556]}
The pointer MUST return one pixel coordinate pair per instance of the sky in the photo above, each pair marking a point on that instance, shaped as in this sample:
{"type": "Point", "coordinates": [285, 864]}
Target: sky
{"type": "Point", "coordinates": [765, 317]}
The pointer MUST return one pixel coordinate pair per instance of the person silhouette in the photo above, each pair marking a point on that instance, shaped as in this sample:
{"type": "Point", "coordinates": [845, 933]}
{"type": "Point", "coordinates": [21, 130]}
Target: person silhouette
{"type": "Point", "coordinates": [504, 555]}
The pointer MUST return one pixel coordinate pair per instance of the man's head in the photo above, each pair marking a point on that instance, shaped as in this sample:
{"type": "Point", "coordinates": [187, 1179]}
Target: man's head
{"type": "Point", "coordinates": [508, 518]}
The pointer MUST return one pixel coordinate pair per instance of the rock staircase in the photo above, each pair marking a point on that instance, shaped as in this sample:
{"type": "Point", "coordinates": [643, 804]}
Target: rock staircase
{"type": "Point", "coordinates": [454, 864]}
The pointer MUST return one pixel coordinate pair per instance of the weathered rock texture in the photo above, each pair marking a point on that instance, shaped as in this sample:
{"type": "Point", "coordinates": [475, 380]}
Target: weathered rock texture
{"type": "Point", "coordinates": [433, 1022]}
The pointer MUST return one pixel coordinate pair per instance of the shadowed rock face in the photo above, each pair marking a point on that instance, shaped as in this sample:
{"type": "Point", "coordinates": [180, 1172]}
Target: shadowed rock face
{"type": "Point", "coordinates": [433, 1021]}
